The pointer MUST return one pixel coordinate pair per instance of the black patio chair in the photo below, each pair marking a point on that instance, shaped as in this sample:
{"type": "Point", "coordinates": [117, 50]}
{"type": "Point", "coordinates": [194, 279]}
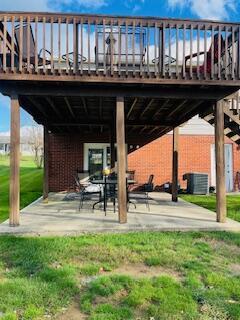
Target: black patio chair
{"type": "Point", "coordinates": [141, 191]}
{"type": "Point", "coordinates": [109, 193]}
{"type": "Point", "coordinates": [84, 191]}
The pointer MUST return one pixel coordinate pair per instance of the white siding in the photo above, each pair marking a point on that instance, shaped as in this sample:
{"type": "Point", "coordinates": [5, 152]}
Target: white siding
{"type": "Point", "coordinates": [197, 126]}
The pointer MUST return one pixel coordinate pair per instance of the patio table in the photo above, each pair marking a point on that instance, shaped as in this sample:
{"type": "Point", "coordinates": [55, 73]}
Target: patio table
{"type": "Point", "coordinates": [105, 182]}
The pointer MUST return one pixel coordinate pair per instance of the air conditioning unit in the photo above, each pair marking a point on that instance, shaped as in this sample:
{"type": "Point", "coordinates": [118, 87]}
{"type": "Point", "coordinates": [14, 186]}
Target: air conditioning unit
{"type": "Point", "coordinates": [197, 183]}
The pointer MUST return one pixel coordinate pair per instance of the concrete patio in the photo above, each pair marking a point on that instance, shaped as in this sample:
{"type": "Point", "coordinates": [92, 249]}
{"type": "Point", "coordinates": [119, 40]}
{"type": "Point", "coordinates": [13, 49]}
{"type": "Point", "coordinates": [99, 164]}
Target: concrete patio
{"type": "Point", "coordinates": [59, 217]}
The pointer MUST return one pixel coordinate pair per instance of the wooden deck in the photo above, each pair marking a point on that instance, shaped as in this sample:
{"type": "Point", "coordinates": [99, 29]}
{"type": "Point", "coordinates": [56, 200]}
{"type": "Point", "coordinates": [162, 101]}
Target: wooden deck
{"type": "Point", "coordinates": [67, 47]}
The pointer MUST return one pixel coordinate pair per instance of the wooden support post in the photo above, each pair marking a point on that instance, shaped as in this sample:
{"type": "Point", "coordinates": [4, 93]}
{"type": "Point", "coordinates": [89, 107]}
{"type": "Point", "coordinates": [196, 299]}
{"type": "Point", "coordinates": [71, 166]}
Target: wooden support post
{"type": "Point", "coordinates": [14, 195]}
{"type": "Point", "coordinates": [46, 166]}
{"type": "Point", "coordinates": [175, 165]}
{"type": "Point", "coordinates": [121, 161]}
{"type": "Point", "coordinates": [220, 159]}
{"type": "Point", "coordinates": [112, 148]}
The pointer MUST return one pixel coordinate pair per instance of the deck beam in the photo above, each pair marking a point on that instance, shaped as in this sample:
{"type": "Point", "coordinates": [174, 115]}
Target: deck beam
{"type": "Point", "coordinates": [220, 162]}
{"type": "Point", "coordinates": [31, 88]}
{"type": "Point", "coordinates": [121, 161]}
{"type": "Point", "coordinates": [14, 197]}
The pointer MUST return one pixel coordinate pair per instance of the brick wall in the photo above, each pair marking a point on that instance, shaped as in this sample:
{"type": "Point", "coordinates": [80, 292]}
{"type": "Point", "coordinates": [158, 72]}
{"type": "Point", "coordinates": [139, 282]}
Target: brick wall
{"type": "Point", "coordinates": [66, 155]}
{"type": "Point", "coordinates": [194, 156]}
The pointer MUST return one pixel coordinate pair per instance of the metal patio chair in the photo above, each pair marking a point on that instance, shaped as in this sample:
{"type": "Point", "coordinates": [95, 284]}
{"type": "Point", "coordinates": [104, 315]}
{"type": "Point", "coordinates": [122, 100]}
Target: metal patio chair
{"type": "Point", "coordinates": [70, 59]}
{"type": "Point", "coordinates": [86, 190]}
{"type": "Point", "coordinates": [141, 191]}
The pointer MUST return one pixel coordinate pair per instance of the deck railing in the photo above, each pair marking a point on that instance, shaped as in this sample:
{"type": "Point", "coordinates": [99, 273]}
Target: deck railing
{"type": "Point", "coordinates": [78, 45]}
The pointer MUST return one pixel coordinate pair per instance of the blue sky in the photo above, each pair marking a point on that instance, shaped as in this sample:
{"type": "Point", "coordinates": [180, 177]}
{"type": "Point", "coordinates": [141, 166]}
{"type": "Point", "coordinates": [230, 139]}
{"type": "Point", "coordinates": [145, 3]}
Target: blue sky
{"type": "Point", "coordinates": [205, 9]}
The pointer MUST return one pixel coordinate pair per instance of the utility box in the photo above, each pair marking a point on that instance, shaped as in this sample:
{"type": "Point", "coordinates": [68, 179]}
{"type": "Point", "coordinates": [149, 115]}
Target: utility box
{"type": "Point", "coordinates": [197, 183]}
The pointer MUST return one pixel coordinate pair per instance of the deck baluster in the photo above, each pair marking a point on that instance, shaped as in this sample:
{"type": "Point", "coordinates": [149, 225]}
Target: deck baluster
{"type": "Point", "coordinates": [226, 60]}
{"type": "Point", "coordinates": [169, 52]}
{"type": "Point", "coordinates": [159, 50]}
{"type": "Point", "coordinates": [5, 44]}
{"type": "Point", "coordinates": [155, 49]}
{"type": "Point", "coordinates": [119, 48]}
{"type": "Point", "coordinates": [148, 44]}
{"type": "Point", "coordinates": [28, 44]}
{"type": "Point", "coordinates": [205, 53]}
{"type": "Point", "coordinates": [133, 47]}
{"type": "Point", "coordinates": [212, 53]}
{"type": "Point", "coordinates": [219, 53]}
{"type": "Point", "coordinates": [191, 51]}
{"type": "Point", "coordinates": [52, 39]}
{"type": "Point", "coordinates": [89, 47]}
{"type": "Point", "coordinates": [198, 50]}
{"type": "Point", "coordinates": [141, 49]}
{"type": "Point", "coordinates": [177, 48]}
{"type": "Point", "coordinates": [112, 49]}
{"type": "Point", "coordinates": [20, 45]}
{"type": "Point", "coordinates": [59, 45]}
{"type": "Point", "coordinates": [184, 52]}
{"type": "Point", "coordinates": [44, 44]}
{"type": "Point", "coordinates": [36, 45]}
{"type": "Point", "coordinates": [163, 50]}
{"type": "Point", "coordinates": [13, 45]}
{"type": "Point", "coordinates": [81, 61]}
{"type": "Point", "coordinates": [96, 46]}
{"type": "Point", "coordinates": [126, 45]}
{"type": "Point", "coordinates": [104, 48]}
{"type": "Point", "coordinates": [75, 48]}
{"type": "Point", "coordinates": [233, 54]}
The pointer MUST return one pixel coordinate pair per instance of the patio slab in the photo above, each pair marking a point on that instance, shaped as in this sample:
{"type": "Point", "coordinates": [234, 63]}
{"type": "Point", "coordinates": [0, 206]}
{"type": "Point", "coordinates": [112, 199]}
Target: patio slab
{"type": "Point", "coordinates": [59, 217]}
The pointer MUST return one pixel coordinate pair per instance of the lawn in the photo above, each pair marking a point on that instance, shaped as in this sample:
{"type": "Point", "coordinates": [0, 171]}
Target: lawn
{"type": "Point", "coordinates": [31, 184]}
{"type": "Point", "coordinates": [148, 275]}
{"type": "Point", "coordinates": [209, 202]}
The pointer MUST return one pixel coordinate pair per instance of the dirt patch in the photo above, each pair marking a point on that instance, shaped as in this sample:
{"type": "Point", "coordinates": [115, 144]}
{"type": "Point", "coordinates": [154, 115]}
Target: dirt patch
{"type": "Point", "coordinates": [219, 245]}
{"type": "Point", "coordinates": [72, 313]}
{"type": "Point", "coordinates": [141, 270]}
{"type": "Point", "coordinates": [235, 269]}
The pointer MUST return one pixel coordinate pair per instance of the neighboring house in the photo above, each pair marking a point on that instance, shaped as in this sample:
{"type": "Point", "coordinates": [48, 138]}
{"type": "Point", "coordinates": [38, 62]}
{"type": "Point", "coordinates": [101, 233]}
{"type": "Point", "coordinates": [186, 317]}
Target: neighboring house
{"type": "Point", "coordinates": [4, 145]}
{"type": "Point", "coordinates": [25, 147]}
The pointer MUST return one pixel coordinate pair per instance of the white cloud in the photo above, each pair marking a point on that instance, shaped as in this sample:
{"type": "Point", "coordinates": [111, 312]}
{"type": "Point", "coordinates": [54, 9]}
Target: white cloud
{"type": "Point", "coordinates": [206, 9]}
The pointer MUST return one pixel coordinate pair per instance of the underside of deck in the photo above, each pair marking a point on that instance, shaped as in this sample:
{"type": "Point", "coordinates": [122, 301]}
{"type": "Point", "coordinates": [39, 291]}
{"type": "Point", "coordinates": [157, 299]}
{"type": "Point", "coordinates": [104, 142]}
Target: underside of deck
{"type": "Point", "coordinates": [90, 108]}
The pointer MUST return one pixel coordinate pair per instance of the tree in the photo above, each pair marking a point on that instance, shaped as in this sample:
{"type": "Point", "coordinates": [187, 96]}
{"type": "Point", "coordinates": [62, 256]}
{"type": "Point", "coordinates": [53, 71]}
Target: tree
{"type": "Point", "coordinates": [35, 141]}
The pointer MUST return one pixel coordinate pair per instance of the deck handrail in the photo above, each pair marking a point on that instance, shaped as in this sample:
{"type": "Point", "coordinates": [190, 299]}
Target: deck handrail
{"type": "Point", "coordinates": [42, 14]}
{"type": "Point", "coordinates": [139, 48]}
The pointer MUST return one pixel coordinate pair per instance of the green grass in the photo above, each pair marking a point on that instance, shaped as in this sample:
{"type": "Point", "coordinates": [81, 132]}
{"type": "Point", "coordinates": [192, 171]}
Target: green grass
{"type": "Point", "coordinates": [31, 184]}
{"type": "Point", "coordinates": [197, 276]}
{"type": "Point", "coordinates": [209, 202]}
